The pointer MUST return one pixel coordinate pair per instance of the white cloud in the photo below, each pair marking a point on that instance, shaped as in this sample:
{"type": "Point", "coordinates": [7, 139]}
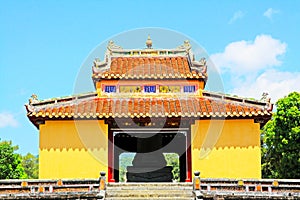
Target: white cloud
{"type": "Point", "coordinates": [242, 57]}
{"type": "Point", "coordinates": [237, 15]}
{"type": "Point", "coordinates": [277, 83]}
{"type": "Point", "coordinates": [7, 119]}
{"type": "Point", "coordinates": [270, 12]}
{"type": "Point", "coordinates": [250, 68]}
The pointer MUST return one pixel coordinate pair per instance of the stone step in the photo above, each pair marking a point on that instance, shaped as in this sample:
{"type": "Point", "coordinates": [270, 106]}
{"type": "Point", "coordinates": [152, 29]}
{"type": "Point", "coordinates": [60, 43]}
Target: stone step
{"type": "Point", "coordinates": [136, 191]}
{"type": "Point", "coordinates": [143, 198]}
{"type": "Point", "coordinates": [147, 188]}
{"type": "Point", "coordinates": [150, 185]}
{"type": "Point", "coordinates": [150, 193]}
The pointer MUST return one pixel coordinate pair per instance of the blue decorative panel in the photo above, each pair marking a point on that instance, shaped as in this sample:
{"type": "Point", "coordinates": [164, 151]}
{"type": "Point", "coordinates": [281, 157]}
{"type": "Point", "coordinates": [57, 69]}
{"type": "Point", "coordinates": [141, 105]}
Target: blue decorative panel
{"type": "Point", "coordinates": [150, 88]}
{"type": "Point", "coordinates": [110, 88]}
{"type": "Point", "coordinates": [189, 88]}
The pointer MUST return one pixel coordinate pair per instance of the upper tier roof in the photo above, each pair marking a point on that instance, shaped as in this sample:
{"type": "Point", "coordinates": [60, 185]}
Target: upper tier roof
{"type": "Point", "coordinates": [178, 63]}
{"type": "Point", "coordinates": [166, 64]}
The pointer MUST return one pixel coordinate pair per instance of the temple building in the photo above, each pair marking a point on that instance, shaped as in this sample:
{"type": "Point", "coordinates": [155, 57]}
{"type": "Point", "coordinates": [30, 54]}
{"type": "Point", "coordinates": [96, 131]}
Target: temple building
{"type": "Point", "coordinates": [149, 102]}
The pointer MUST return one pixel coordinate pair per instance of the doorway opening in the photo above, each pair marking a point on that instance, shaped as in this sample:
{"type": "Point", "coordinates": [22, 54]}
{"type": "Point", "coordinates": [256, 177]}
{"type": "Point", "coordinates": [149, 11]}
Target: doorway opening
{"type": "Point", "coordinates": [140, 156]}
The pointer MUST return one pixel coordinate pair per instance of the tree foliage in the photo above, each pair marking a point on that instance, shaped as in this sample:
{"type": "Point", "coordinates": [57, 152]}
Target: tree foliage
{"type": "Point", "coordinates": [125, 161]}
{"type": "Point", "coordinates": [10, 162]}
{"type": "Point", "coordinates": [173, 160]}
{"type": "Point", "coordinates": [281, 140]}
{"type": "Point", "coordinates": [30, 164]}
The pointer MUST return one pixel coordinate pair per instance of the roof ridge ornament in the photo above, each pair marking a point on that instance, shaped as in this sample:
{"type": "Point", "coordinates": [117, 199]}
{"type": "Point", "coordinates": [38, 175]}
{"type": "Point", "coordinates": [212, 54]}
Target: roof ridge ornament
{"type": "Point", "coordinates": [33, 99]}
{"type": "Point", "coordinates": [264, 97]}
{"type": "Point", "coordinates": [186, 45]}
{"type": "Point", "coordinates": [112, 46]}
{"type": "Point", "coordinates": [149, 42]}
{"type": "Point", "coordinates": [202, 61]}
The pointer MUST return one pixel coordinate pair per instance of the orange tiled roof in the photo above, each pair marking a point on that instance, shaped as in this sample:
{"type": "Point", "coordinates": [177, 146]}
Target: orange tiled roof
{"type": "Point", "coordinates": [149, 67]}
{"type": "Point", "coordinates": [96, 107]}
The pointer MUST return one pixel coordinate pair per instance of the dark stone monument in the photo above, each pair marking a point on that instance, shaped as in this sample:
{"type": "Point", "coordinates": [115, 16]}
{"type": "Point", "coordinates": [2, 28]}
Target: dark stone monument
{"type": "Point", "coordinates": [149, 164]}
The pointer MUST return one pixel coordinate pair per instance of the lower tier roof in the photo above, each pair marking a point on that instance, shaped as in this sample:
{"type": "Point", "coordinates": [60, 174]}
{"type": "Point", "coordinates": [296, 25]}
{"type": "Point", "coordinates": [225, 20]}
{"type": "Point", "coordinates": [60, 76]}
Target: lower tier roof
{"type": "Point", "coordinates": [90, 106]}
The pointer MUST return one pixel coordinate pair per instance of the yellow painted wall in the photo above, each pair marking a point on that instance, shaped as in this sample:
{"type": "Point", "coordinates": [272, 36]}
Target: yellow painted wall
{"type": "Point", "coordinates": [72, 149]}
{"type": "Point", "coordinates": [220, 149]}
{"type": "Point", "coordinates": [226, 148]}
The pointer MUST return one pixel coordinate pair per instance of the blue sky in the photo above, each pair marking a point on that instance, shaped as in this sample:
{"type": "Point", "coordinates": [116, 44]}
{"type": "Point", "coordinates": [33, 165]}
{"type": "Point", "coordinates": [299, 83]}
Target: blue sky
{"type": "Point", "coordinates": [43, 44]}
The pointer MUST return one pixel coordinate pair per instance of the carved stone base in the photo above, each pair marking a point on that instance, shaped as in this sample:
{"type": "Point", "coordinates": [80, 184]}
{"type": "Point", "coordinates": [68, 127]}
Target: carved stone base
{"type": "Point", "coordinates": [135, 174]}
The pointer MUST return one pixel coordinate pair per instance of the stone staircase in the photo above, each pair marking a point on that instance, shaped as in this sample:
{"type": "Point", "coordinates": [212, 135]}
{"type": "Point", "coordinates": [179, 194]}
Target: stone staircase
{"type": "Point", "coordinates": [137, 191]}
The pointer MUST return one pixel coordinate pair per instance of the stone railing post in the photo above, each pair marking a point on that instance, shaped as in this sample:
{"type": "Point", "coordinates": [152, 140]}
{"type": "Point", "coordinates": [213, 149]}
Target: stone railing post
{"type": "Point", "coordinates": [102, 186]}
{"type": "Point", "coordinates": [196, 186]}
{"type": "Point", "coordinates": [196, 181]}
{"type": "Point", "coordinates": [102, 181]}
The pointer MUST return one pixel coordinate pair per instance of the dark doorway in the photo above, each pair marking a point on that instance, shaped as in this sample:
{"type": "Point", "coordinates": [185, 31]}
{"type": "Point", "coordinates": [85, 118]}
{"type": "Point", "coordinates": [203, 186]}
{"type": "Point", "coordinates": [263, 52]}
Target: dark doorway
{"type": "Point", "coordinates": [146, 142]}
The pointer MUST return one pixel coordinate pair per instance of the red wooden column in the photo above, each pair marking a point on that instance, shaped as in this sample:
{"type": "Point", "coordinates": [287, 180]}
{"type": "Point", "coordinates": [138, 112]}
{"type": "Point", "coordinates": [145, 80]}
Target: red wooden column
{"type": "Point", "coordinates": [188, 157]}
{"type": "Point", "coordinates": [110, 157]}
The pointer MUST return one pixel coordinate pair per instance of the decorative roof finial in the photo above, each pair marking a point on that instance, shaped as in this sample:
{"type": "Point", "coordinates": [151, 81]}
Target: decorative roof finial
{"type": "Point", "coordinates": [33, 99]}
{"type": "Point", "coordinates": [149, 42]}
{"type": "Point", "coordinates": [186, 45]}
{"type": "Point", "coordinates": [264, 96]}
{"type": "Point", "coordinates": [112, 46]}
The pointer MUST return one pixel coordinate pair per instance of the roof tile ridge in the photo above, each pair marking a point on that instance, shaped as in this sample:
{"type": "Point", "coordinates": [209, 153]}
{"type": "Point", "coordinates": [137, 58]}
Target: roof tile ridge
{"type": "Point", "coordinates": [233, 99]}
{"type": "Point", "coordinates": [216, 106]}
{"type": "Point", "coordinates": [209, 108]}
{"type": "Point", "coordinates": [191, 100]}
{"type": "Point", "coordinates": [148, 56]}
{"type": "Point", "coordinates": [160, 66]}
{"type": "Point", "coordinates": [197, 107]}
{"type": "Point", "coordinates": [64, 99]}
{"type": "Point", "coordinates": [176, 69]}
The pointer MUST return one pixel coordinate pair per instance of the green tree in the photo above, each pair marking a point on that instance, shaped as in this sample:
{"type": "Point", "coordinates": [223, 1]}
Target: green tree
{"type": "Point", "coordinates": [173, 160]}
{"type": "Point", "coordinates": [281, 140]}
{"type": "Point", "coordinates": [125, 161]}
{"type": "Point", "coordinates": [30, 164]}
{"type": "Point", "coordinates": [10, 162]}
